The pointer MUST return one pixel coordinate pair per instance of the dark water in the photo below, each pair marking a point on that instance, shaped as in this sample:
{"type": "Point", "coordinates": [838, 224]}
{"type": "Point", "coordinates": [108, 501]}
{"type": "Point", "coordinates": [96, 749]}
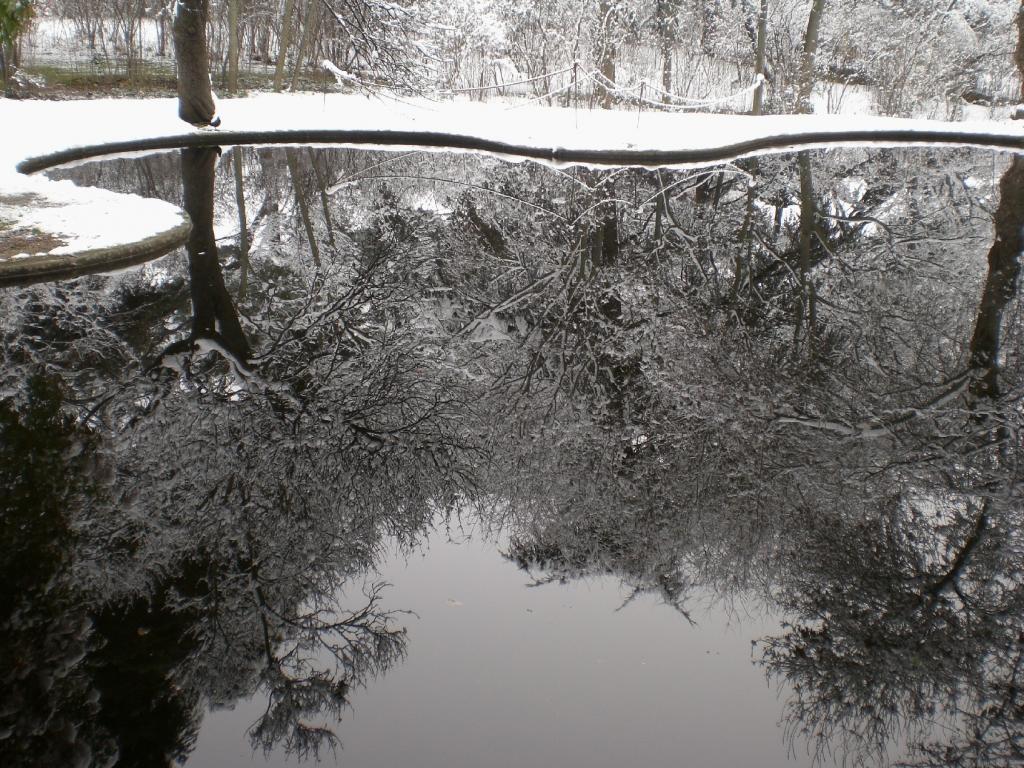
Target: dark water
{"type": "Point", "coordinates": [414, 459]}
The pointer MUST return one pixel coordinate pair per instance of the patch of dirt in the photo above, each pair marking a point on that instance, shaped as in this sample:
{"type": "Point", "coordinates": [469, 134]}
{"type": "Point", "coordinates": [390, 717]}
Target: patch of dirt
{"type": "Point", "coordinates": [103, 88]}
{"type": "Point", "coordinates": [22, 199]}
{"type": "Point", "coordinates": [66, 83]}
{"type": "Point", "coordinates": [15, 241]}
{"type": "Point", "coordinates": [55, 83]}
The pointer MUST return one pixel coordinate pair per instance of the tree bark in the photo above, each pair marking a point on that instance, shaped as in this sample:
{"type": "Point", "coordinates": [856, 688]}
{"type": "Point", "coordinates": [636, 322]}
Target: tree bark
{"type": "Point", "coordinates": [609, 234]}
{"type": "Point", "coordinates": [293, 170]}
{"type": "Point", "coordinates": [807, 319]}
{"type": "Point", "coordinates": [213, 313]}
{"type": "Point", "coordinates": [285, 43]}
{"type": "Point", "coordinates": [762, 45]}
{"type": "Point", "coordinates": [1018, 54]}
{"type": "Point", "coordinates": [1000, 283]}
{"type": "Point", "coordinates": [605, 52]}
{"type": "Point", "coordinates": [810, 52]}
{"type": "Point", "coordinates": [4, 58]}
{"type": "Point", "coordinates": [309, 26]}
{"type": "Point", "coordinates": [243, 225]}
{"type": "Point", "coordinates": [321, 185]}
{"type": "Point", "coordinates": [666, 39]}
{"type": "Point", "coordinates": [233, 46]}
{"type": "Point", "coordinates": [192, 56]}
{"type": "Point", "coordinates": [1003, 262]}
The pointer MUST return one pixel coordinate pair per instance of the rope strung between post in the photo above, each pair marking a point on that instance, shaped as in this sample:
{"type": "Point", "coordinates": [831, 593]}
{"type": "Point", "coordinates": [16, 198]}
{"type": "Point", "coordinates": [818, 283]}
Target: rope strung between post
{"type": "Point", "coordinates": [627, 93]}
{"type": "Point", "coordinates": [498, 86]}
{"type": "Point", "coordinates": [633, 93]}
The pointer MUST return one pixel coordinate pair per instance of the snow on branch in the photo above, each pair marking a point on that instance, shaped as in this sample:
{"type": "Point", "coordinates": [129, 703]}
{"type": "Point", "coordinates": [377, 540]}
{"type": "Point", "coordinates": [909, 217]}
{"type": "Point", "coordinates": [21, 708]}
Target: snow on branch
{"type": "Point", "coordinates": [881, 426]}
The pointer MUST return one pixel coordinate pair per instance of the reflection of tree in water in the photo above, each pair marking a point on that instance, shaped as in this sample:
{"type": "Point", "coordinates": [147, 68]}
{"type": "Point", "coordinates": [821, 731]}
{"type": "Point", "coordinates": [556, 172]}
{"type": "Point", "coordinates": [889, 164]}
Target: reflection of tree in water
{"type": "Point", "coordinates": [647, 415]}
{"type": "Point", "coordinates": [284, 466]}
{"type": "Point", "coordinates": [92, 676]}
{"type": "Point", "coordinates": [246, 490]}
{"type": "Point", "coordinates": [912, 612]}
{"type": "Point", "coordinates": [868, 494]}
{"type": "Point", "coordinates": [49, 704]}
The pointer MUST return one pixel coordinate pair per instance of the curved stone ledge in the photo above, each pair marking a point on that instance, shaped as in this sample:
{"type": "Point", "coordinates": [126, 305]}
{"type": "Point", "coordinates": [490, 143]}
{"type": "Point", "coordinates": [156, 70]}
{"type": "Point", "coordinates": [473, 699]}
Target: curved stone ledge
{"type": "Point", "coordinates": [53, 266]}
{"type": "Point", "coordinates": [49, 266]}
{"type": "Point", "coordinates": [642, 158]}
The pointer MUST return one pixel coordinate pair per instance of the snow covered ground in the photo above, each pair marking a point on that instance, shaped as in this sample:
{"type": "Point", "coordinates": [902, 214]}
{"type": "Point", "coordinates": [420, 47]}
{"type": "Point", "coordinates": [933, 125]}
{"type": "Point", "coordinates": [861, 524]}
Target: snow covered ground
{"type": "Point", "coordinates": [88, 218]}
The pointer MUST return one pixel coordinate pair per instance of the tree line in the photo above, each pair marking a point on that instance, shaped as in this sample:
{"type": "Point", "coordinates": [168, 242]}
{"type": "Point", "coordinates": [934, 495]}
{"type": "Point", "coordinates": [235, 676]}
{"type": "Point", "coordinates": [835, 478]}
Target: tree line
{"type": "Point", "coordinates": [911, 57]}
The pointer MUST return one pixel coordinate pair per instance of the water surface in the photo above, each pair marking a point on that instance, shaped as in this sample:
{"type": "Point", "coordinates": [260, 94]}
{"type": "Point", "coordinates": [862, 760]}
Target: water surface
{"type": "Point", "coordinates": [412, 459]}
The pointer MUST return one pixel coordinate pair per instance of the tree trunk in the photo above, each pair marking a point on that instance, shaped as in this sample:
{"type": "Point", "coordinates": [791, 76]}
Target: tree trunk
{"type": "Point", "coordinates": [161, 34]}
{"type": "Point", "coordinates": [742, 257]}
{"type": "Point", "coordinates": [762, 44]}
{"type": "Point", "coordinates": [609, 235]}
{"type": "Point", "coordinates": [806, 320]}
{"type": "Point", "coordinates": [1001, 281]}
{"type": "Point", "coordinates": [665, 37]}
{"type": "Point", "coordinates": [213, 313]}
{"type": "Point", "coordinates": [810, 52]}
{"type": "Point", "coordinates": [285, 42]}
{"type": "Point", "coordinates": [3, 66]}
{"type": "Point", "coordinates": [605, 52]}
{"type": "Point", "coordinates": [300, 198]}
{"type": "Point", "coordinates": [192, 56]}
{"type": "Point", "coordinates": [233, 46]}
{"type": "Point", "coordinates": [666, 72]}
{"type": "Point", "coordinates": [243, 225]}
{"type": "Point", "coordinates": [321, 185]}
{"type": "Point", "coordinates": [1018, 54]}
{"type": "Point", "coordinates": [309, 27]}
{"type": "Point", "coordinates": [1003, 262]}
{"type": "Point", "coordinates": [806, 311]}
{"type": "Point", "coordinates": [659, 212]}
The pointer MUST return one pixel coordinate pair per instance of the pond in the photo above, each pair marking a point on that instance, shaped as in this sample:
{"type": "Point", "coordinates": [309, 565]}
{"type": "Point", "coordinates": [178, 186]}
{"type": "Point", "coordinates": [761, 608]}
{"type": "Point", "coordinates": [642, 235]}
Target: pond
{"type": "Point", "coordinates": [417, 458]}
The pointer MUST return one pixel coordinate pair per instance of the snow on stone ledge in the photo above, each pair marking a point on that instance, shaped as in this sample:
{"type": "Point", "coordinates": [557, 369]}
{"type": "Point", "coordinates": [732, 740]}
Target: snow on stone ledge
{"type": "Point", "coordinates": [88, 218]}
{"type": "Point", "coordinates": [42, 127]}
{"type": "Point", "coordinates": [84, 218]}
{"type": "Point", "coordinates": [84, 225]}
